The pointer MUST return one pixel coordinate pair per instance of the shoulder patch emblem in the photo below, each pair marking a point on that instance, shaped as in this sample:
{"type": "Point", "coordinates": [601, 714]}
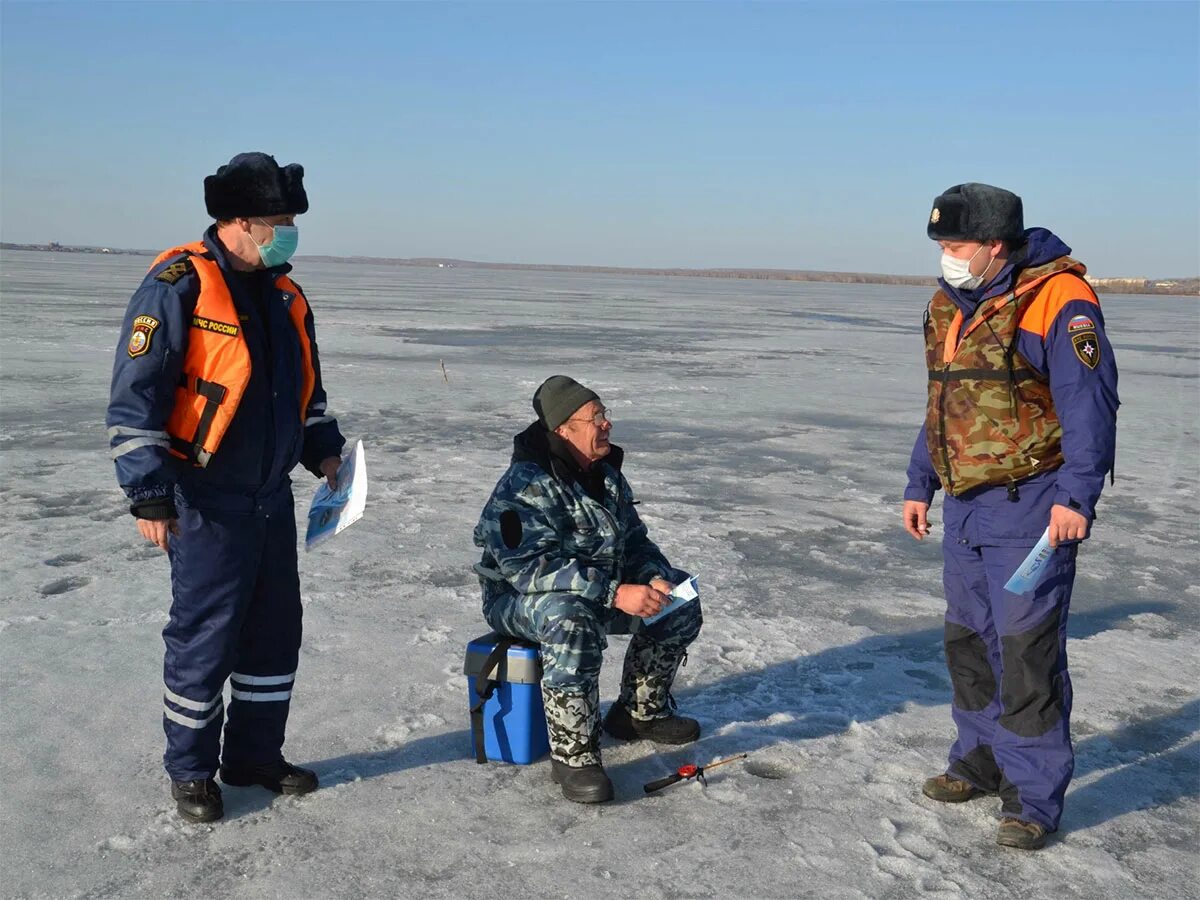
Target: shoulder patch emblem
{"type": "Point", "coordinates": [143, 331]}
{"type": "Point", "coordinates": [1080, 323]}
{"type": "Point", "coordinates": [174, 271]}
{"type": "Point", "coordinates": [1087, 348]}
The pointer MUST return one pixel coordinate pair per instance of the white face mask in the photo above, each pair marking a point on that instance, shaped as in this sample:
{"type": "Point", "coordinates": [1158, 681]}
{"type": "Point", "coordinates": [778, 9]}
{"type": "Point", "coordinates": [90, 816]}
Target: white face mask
{"type": "Point", "coordinates": [957, 272]}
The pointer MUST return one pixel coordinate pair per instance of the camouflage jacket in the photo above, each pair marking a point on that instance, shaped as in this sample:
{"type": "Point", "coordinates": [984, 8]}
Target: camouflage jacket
{"type": "Point", "coordinates": [541, 532]}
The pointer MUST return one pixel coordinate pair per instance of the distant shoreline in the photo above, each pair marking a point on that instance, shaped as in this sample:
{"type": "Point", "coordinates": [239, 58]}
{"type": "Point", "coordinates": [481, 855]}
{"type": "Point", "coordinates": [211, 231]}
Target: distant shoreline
{"type": "Point", "coordinates": [1172, 286]}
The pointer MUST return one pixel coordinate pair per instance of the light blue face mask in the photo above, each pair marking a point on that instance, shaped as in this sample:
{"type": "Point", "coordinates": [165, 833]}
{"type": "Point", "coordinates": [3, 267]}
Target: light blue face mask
{"type": "Point", "coordinates": [283, 243]}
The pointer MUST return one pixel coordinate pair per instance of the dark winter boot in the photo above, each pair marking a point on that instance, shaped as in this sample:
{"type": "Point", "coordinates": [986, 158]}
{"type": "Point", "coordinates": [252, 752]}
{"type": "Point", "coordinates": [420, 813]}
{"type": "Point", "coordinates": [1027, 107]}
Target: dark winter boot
{"type": "Point", "coordinates": [645, 708]}
{"type": "Point", "coordinates": [586, 784]}
{"type": "Point", "coordinates": [573, 724]}
{"type": "Point", "coordinates": [199, 800]}
{"type": "Point", "coordinates": [279, 776]}
{"type": "Point", "coordinates": [948, 789]}
{"type": "Point", "coordinates": [671, 729]}
{"type": "Point", "coordinates": [1021, 834]}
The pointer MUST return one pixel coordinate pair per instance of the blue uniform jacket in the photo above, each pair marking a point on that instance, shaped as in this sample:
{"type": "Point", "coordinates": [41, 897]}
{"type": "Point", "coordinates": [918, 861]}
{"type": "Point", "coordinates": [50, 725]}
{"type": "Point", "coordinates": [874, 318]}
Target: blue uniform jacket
{"type": "Point", "coordinates": [266, 438]}
{"type": "Point", "coordinates": [1085, 400]}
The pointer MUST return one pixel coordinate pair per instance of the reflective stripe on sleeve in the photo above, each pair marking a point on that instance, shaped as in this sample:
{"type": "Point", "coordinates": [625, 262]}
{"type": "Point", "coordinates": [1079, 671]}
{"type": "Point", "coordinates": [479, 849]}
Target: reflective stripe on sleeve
{"type": "Point", "coordinates": [125, 430]}
{"type": "Point", "coordinates": [137, 442]}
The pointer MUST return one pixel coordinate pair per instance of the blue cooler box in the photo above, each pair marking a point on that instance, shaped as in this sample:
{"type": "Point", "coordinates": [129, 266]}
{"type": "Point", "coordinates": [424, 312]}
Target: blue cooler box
{"type": "Point", "coordinates": [514, 720]}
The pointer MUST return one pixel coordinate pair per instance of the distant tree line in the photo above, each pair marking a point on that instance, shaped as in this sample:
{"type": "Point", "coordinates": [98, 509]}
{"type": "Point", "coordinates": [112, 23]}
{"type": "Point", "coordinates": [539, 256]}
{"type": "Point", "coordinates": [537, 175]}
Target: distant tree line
{"type": "Point", "coordinates": [1185, 286]}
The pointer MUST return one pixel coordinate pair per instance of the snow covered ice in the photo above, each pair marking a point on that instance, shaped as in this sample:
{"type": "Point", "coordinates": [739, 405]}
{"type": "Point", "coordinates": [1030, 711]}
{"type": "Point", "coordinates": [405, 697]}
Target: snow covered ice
{"type": "Point", "coordinates": [768, 425]}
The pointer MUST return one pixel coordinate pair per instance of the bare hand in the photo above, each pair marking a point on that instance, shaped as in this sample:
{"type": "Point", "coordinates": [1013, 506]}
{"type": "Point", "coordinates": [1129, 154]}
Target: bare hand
{"type": "Point", "coordinates": [1066, 525]}
{"type": "Point", "coordinates": [915, 521]}
{"type": "Point", "coordinates": [639, 600]}
{"type": "Point", "coordinates": [329, 468]}
{"type": "Point", "coordinates": [662, 585]}
{"type": "Point", "coordinates": [156, 531]}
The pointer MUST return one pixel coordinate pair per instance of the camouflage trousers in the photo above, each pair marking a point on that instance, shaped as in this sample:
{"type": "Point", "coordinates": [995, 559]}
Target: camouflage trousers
{"type": "Point", "coordinates": [573, 635]}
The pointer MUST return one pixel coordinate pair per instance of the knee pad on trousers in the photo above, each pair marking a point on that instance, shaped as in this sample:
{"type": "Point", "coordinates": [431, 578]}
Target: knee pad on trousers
{"type": "Point", "coordinates": [1031, 687]}
{"type": "Point", "coordinates": [970, 669]}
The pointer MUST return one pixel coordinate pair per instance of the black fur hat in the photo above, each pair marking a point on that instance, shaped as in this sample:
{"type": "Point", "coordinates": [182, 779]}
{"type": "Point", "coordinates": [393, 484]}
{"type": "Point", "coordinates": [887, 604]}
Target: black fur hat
{"type": "Point", "coordinates": [253, 184]}
{"type": "Point", "coordinates": [977, 212]}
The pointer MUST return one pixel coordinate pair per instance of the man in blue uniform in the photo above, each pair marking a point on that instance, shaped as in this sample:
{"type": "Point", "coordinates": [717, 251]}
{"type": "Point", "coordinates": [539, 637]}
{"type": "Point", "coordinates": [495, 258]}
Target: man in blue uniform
{"type": "Point", "coordinates": [1020, 432]}
{"type": "Point", "coordinates": [216, 396]}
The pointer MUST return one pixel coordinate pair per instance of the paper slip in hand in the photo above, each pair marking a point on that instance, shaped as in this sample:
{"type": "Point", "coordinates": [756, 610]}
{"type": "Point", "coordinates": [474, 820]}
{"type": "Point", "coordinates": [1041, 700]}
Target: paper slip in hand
{"type": "Point", "coordinates": [1029, 573]}
{"type": "Point", "coordinates": [332, 512]}
{"type": "Point", "coordinates": [681, 594]}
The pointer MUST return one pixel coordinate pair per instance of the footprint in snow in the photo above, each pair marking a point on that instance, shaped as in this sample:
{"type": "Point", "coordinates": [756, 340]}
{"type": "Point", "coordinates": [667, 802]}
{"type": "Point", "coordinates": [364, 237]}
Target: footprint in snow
{"type": "Point", "coordinates": [63, 585]}
{"type": "Point", "coordinates": [67, 559]}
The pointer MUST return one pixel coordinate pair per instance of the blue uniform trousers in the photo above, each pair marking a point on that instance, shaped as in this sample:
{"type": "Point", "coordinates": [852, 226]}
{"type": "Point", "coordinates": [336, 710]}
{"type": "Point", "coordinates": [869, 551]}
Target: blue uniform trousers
{"type": "Point", "coordinates": [1007, 657]}
{"type": "Point", "coordinates": [236, 616]}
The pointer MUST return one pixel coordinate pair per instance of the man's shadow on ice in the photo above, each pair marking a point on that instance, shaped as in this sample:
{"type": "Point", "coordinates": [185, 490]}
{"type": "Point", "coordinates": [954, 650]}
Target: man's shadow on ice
{"type": "Point", "coordinates": [1146, 763]}
{"type": "Point", "coordinates": [812, 697]}
{"type": "Point", "coordinates": [823, 694]}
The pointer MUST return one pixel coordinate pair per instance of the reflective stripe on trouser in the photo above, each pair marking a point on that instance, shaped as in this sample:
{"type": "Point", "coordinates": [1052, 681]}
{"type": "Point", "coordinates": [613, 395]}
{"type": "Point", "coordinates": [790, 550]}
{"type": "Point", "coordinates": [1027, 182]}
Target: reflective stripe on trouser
{"type": "Point", "coordinates": [1007, 657]}
{"type": "Point", "coordinates": [236, 616]}
{"type": "Point", "coordinates": [573, 635]}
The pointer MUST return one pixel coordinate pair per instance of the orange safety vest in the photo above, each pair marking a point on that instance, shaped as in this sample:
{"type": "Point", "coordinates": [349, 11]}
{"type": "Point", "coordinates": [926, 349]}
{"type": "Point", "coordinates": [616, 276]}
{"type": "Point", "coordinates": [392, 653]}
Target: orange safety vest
{"type": "Point", "coordinates": [216, 365]}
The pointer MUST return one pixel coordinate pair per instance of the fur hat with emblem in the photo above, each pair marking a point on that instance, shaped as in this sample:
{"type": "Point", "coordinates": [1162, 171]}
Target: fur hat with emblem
{"type": "Point", "coordinates": [977, 212]}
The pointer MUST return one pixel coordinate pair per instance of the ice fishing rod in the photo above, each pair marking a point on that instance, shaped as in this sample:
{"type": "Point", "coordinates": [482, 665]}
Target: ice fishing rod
{"type": "Point", "coordinates": [685, 773]}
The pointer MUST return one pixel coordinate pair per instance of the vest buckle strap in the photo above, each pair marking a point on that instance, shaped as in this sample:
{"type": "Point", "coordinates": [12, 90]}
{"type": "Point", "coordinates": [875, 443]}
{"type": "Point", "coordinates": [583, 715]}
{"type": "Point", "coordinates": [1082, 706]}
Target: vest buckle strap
{"type": "Point", "coordinates": [214, 395]}
{"type": "Point", "coordinates": [948, 375]}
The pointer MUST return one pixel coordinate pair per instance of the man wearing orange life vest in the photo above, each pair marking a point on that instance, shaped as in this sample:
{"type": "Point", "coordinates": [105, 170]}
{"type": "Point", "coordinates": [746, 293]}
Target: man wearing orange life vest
{"type": "Point", "coordinates": [1020, 433]}
{"type": "Point", "coordinates": [216, 396]}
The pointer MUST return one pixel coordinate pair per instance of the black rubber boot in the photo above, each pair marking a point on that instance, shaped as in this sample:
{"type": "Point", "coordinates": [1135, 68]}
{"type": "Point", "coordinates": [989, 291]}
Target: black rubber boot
{"type": "Point", "coordinates": [585, 784]}
{"type": "Point", "coordinates": [198, 801]}
{"type": "Point", "coordinates": [280, 776]}
{"type": "Point", "coordinates": [671, 729]}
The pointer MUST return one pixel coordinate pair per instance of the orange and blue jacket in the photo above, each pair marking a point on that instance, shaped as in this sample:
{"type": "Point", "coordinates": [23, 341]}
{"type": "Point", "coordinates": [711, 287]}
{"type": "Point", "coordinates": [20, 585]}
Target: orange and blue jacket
{"type": "Point", "coordinates": [216, 388]}
{"type": "Point", "coordinates": [1060, 338]}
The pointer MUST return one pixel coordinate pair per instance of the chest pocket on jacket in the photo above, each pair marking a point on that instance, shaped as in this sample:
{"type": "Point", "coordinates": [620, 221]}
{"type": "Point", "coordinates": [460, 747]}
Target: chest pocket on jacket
{"type": "Point", "coordinates": [591, 534]}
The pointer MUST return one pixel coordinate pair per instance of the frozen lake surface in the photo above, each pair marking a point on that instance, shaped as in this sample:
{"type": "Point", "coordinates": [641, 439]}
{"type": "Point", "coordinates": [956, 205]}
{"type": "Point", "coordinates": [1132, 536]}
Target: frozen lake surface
{"type": "Point", "coordinates": [767, 426]}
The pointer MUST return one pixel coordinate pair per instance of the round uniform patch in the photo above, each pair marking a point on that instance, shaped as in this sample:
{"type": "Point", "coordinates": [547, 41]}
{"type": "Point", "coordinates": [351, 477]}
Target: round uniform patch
{"type": "Point", "coordinates": [143, 332]}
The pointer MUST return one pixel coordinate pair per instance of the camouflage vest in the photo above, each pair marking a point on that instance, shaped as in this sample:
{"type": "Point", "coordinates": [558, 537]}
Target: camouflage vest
{"type": "Point", "coordinates": [990, 418]}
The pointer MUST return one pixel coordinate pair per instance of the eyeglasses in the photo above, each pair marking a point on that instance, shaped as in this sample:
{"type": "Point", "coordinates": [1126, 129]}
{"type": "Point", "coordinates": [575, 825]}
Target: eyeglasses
{"type": "Point", "coordinates": [598, 419]}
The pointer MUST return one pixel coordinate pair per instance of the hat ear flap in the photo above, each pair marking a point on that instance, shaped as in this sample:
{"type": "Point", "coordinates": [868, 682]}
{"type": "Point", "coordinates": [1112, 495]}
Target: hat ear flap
{"type": "Point", "coordinates": [292, 176]}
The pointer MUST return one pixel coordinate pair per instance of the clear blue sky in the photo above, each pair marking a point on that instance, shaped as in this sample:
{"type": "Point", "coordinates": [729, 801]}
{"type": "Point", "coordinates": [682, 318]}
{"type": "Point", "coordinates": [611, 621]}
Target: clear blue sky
{"type": "Point", "coordinates": [789, 135]}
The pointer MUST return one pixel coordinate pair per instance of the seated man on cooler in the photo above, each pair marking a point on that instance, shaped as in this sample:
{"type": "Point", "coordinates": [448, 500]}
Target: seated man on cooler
{"type": "Point", "coordinates": [566, 561]}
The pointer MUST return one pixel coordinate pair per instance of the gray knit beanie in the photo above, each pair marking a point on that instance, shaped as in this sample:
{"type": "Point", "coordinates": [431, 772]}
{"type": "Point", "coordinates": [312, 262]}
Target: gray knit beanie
{"type": "Point", "coordinates": [558, 398]}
